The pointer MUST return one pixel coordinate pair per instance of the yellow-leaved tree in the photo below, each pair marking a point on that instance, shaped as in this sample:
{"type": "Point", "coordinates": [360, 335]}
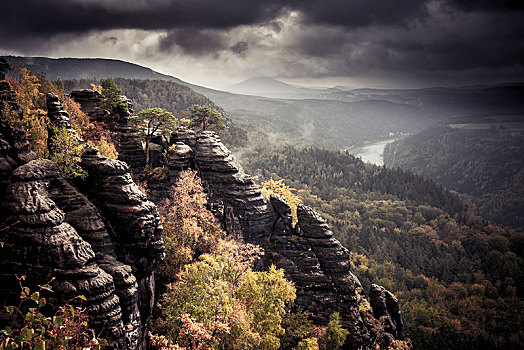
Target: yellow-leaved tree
{"type": "Point", "coordinates": [279, 187]}
{"type": "Point", "coordinates": [34, 122]}
{"type": "Point", "coordinates": [190, 229]}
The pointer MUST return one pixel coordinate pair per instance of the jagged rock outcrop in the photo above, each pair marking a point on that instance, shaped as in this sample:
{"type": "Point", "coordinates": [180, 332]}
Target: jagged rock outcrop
{"type": "Point", "coordinates": [129, 146]}
{"type": "Point", "coordinates": [135, 231]}
{"type": "Point", "coordinates": [319, 266]}
{"type": "Point", "coordinates": [233, 195]}
{"type": "Point", "coordinates": [312, 258]}
{"type": "Point", "coordinates": [41, 244]}
{"type": "Point", "coordinates": [385, 308]}
{"type": "Point", "coordinates": [180, 158]}
{"type": "Point", "coordinates": [310, 255]}
{"type": "Point", "coordinates": [90, 102]}
{"type": "Point", "coordinates": [102, 241]}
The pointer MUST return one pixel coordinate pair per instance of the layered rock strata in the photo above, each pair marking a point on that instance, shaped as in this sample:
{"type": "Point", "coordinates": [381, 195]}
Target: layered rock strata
{"type": "Point", "coordinates": [309, 254]}
{"type": "Point", "coordinates": [233, 195]}
{"type": "Point", "coordinates": [385, 308]}
{"type": "Point", "coordinates": [104, 246]}
{"type": "Point", "coordinates": [311, 257]}
{"type": "Point", "coordinates": [134, 228]}
{"type": "Point", "coordinates": [129, 146]}
{"type": "Point", "coordinates": [319, 266]}
{"type": "Point", "coordinates": [41, 244]}
{"type": "Point", "coordinates": [90, 102]}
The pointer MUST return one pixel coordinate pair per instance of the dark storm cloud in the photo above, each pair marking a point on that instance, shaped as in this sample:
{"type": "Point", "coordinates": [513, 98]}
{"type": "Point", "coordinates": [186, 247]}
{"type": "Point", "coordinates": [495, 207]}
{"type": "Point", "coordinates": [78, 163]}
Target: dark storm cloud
{"type": "Point", "coordinates": [330, 37]}
{"type": "Point", "coordinates": [239, 48]}
{"type": "Point", "coordinates": [361, 13]}
{"type": "Point", "coordinates": [445, 40]}
{"type": "Point", "coordinates": [487, 5]}
{"type": "Point", "coordinates": [49, 17]}
{"type": "Point", "coordinates": [193, 42]}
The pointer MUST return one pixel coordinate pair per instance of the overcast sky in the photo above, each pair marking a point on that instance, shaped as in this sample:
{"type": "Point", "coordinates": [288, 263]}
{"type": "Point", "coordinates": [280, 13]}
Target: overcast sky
{"type": "Point", "coordinates": [378, 43]}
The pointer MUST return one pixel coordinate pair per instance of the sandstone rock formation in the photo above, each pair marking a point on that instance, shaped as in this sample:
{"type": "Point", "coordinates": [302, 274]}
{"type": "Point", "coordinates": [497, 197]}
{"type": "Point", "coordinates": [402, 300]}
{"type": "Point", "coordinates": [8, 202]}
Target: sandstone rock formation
{"type": "Point", "coordinates": [101, 239]}
{"type": "Point", "coordinates": [319, 266]}
{"type": "Point", "coordinates": [311, 257]}
{"type": "Point", "coordinates": [386, 309]}
{"type": "Point", "coordinates": [129, 147]}
{"type": "Point", "coordinates": [233, 195]}
{"type": "Point", "coordinates": [90, 102]}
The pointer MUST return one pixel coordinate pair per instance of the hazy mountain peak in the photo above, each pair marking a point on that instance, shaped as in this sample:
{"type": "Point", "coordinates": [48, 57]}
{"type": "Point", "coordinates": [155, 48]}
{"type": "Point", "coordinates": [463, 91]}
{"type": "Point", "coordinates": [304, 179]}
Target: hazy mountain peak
{"type": "Point", "coordinates": [262, 86]}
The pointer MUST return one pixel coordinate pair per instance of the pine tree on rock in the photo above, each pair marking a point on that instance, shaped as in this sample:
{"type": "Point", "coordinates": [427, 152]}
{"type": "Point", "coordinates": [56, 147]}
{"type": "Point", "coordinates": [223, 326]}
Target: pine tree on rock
{"type": "Point", "coordinates": [206, 118]}
{"type": "Point", "coordinates": [112, 98]}
{"type": "Point", "coordinates": [151, 121]}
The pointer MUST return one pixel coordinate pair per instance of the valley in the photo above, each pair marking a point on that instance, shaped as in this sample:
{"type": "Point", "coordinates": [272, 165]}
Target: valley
{"type": "Point", "coordinates": [373, 152]}
{"type": "Point", "coordinates": [261, 175]}
{"type": "Point", "coordinates": [447, 255]}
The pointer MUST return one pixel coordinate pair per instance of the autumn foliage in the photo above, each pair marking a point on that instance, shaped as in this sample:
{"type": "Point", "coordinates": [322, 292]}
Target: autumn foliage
{"type": "Point", "coordinates": [30, 92]}
{"type": "Point", "coordinates": [66, 329]}
{"type": "Point", "coordinates": [279, 187]}
{"type": "Point", "coordinates": [190, 229]}
{"type": "Point", "coordinates": [214, 299]}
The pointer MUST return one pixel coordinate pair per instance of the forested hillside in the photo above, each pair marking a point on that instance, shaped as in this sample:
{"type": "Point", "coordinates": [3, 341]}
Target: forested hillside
{"type": "Point", "coordinates": [146, 93]}
{"type": "Point", "coordinates": [173, 97]}
{"type": "Point", "coordinates": [458, 277]}
{"type": "Point", "coordinates": [323, 122]}
{"type": "Point", "coordinates": [484, 160]}
{"type": "Point", "coordinates": [332, 124]}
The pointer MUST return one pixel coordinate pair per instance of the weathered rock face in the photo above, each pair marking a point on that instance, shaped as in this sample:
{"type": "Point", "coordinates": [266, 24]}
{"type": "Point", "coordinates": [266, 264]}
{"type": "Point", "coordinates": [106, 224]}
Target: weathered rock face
{"type": "Point", "coordinates": [233, 195]}
{"type": "Point", "coordinates": [129, 146]}
{"type": "Point", "coordinates": [89, 101]}
{"type": "Point", "coordinates": [385, 308]}
{"type": "Point", "coordinates": [319, 266]}
{"type": "Point", "coordinates": [104, 245]}
{"type": "Point", "coordinates": [41, 244]}
{"type": "Point", "coordinates": [311, 257]}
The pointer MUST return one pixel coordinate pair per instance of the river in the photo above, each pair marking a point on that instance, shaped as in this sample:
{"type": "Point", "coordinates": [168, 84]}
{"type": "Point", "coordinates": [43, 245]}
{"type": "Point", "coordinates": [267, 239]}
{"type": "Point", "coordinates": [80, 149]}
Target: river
{"type": "Point", "coordinates": [374, 152]}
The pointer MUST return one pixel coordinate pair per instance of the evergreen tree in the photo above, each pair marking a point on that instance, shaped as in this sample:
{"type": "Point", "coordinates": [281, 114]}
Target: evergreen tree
{"type": "Point", "coordinates": [112, 99]}
{"type": "Point", "coordinates": [206, 118]}
{"type": "Point", "coordinates": [151, 121]}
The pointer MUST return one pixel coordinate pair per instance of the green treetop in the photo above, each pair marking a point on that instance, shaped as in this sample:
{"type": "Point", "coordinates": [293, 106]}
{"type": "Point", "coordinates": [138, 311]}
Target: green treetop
{"type": "Point", "coordinates": [152, 121]}
{"type": "Point", "coordinates": [111, 97]}
{"type": "Point", "coordinates": [206, 118]}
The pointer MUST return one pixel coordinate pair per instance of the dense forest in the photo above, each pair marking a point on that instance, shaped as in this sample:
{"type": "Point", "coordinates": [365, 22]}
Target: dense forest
{"type": "Point", "coordinates": [485, 161]}
{"type": "Point", "coordinates": [458, 277]}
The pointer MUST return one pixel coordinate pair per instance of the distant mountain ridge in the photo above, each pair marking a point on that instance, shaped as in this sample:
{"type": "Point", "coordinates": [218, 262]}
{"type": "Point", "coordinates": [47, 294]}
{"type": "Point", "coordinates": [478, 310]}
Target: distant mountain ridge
{"type": "Point", "coordinates": [332, 118]}
{"type": "Point", "coordinates": [87, 68]}
{"type": "Point", "coordinates": [273, 88]}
